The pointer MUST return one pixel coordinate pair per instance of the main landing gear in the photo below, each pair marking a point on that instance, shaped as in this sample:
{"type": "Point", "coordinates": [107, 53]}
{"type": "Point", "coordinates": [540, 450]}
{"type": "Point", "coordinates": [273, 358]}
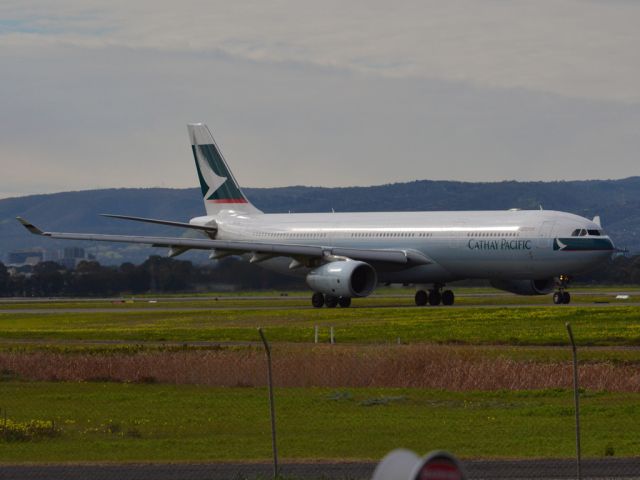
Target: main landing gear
{"type": "Point", "coordinates": [435, 296]}
{"type": "Point", "coordinates": [562, 296]}
{"type": "Point", "coordinates": [331, 301]}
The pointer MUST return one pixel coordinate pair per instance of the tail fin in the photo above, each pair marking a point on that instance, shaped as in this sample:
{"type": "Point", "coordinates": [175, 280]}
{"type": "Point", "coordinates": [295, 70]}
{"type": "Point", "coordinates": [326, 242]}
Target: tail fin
{"type": "Point", "coordinates": [220, 191]}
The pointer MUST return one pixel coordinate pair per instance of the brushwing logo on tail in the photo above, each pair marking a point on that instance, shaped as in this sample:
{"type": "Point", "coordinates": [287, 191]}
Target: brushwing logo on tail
{"type": "Point", "coordinates": [216, 182]}
{"type": "Point", "coordinates": [213, 181]}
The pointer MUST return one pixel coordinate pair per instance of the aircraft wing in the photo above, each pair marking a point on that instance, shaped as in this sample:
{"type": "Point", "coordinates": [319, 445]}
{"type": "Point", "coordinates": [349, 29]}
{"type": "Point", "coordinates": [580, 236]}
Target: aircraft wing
{"type": "Point", "coordinates": [260, 250]}
{"type": "Point", "coordinates": [205, 228]}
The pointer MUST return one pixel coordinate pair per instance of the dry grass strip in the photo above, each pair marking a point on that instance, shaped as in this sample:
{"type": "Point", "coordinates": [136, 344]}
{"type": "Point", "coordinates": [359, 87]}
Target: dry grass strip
{"type": "Point", "coordinates": [422, 366]}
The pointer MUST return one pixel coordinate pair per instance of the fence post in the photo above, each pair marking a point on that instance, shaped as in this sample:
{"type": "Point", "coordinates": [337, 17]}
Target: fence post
{"type": "Point", "coordinates": [332, 336]}
{"type": "Point", "coordinates": [271, 404]}
{"type": "Point", "coordinates": [576, 397]}
{"type": "Point", "coordinates": [315, 333]}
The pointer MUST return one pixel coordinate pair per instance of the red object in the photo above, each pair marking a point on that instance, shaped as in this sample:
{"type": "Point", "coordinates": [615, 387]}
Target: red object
{"type": "Point", "coordinates": [439, 469]}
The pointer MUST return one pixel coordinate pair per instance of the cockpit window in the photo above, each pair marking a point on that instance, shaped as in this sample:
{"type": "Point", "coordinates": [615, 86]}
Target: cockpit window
{"type": "Point", "coordinates": [581, 232]}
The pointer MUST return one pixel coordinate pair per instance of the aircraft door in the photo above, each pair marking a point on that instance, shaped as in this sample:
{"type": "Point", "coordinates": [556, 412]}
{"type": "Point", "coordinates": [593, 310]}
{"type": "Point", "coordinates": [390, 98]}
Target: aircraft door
{"type": "Point", "coordinates": [455, 239]}
{"type": "Point", "coordinates": [544, 234]}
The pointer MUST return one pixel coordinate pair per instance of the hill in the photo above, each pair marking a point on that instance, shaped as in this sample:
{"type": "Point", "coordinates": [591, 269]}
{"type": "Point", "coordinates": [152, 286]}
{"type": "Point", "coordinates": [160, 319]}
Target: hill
{"type": "Point", "coordinates": [616, 201]}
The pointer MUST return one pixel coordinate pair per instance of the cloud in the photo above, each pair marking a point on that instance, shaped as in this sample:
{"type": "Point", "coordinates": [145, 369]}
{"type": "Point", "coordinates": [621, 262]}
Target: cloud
{"type": "Point", "coordinates": [118, 118]}
{"type": "Point", "coordinates": [316, 93]}
{"type": "Point", "coordinates": [572, 48]}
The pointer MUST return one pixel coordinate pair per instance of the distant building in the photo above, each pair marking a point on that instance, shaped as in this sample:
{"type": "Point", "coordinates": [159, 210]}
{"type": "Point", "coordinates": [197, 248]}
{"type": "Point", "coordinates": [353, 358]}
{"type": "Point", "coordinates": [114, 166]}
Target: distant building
{"type": "Point", "coordinates": [25, 269]}
{"type": "Point", "coordinates": [71, 256]}
{"type": "Point", "coordinates": [68, 257]}
{"type": "Point", "coordinates": [20, 258]}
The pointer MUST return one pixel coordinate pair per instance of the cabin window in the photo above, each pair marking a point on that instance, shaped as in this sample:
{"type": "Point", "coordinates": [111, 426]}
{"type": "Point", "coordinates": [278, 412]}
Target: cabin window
{"type": "Point", "coordinates": [594, 232]}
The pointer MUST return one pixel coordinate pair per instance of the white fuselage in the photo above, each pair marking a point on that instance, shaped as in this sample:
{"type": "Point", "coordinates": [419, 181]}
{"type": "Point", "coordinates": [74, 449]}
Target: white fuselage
{"type": "Point", "coordinates": [514, 244]}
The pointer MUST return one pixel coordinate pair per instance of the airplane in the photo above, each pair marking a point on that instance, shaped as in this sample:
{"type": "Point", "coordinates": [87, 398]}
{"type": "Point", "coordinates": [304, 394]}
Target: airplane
{"type": "Point", "coordinates": [346, 255]}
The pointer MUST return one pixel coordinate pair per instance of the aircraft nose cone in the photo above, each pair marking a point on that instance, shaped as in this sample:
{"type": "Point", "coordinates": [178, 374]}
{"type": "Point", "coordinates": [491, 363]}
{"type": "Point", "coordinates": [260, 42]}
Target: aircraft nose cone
{"type": "Point", "coordinates": [609, 244]}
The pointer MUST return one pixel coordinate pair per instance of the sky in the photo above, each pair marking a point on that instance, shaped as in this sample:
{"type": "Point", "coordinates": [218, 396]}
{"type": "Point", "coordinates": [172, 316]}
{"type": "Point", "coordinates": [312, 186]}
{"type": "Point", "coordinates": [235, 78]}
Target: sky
{"type": "Point", "coordinates": [97, 94]}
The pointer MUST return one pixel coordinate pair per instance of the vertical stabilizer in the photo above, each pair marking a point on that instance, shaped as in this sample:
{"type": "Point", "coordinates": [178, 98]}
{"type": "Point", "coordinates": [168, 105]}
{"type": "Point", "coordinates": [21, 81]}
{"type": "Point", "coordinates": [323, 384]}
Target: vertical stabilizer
{"type": "Point", "coordinates": [220, 191]}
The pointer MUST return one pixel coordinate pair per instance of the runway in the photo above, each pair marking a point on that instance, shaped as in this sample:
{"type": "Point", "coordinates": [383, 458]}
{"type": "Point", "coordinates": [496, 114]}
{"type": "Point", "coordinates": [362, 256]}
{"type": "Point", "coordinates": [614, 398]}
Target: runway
{"type": "Point", "coordinates": [284, 296]}
{"type": "Point", "coordinates": [301, 301]}
{"type": "Point", "coordinates": [160, 308]}
{"type": "Point", "coordinates": [476, 469]}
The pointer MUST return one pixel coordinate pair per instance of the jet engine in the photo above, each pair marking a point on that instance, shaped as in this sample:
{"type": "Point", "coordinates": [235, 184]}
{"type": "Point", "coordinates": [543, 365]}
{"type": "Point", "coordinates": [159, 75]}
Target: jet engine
{"type": "Point", "coordinates": [346, 278]}
{"type": "Point", "coordinates": [525, 287]}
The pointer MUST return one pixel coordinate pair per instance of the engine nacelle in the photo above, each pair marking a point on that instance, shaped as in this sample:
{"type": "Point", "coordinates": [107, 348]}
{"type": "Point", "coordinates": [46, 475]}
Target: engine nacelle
{"type": "Point", "coordinates": [347, 278]}
{"type": "Point", "coordinates": [525, 287]}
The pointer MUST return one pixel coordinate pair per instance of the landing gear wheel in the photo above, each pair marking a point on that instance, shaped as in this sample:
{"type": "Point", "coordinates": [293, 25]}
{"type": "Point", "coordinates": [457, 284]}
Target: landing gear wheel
{"type": "Point", "coordinates": [435, 298]}
{"type": "Point", "coordinates": [317, 300]}
{"type": "Point", "coordinates": [344, 302]}
{"type": "Point", "coordinates": [566, 297]}
{"type": "Point", "coordinates": [558, 297]}
{"type": "Point", "coordinates": [421, 298]}
{"type": "Point", "coordinates": [448, 297]}
{"type": "Point", "coordinates": [331, 301]}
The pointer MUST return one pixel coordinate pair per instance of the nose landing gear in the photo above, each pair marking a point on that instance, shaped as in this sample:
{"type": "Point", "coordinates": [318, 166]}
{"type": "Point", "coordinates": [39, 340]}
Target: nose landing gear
{"type": "Point", "coordinates": [435, 296]}
{"type": "Point", "coordinates": [562, 296]}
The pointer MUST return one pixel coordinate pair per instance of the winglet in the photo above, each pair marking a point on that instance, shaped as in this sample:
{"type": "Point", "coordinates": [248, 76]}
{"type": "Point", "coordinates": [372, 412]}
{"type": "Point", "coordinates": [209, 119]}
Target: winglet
{"type": "Point", "coordinates": [29, 226]}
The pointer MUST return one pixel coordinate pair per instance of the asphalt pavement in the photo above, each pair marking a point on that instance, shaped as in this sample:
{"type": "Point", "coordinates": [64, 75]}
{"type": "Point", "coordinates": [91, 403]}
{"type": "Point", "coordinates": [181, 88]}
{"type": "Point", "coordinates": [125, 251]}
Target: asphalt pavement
{"type": "Point", "coordinates": [608, 467]}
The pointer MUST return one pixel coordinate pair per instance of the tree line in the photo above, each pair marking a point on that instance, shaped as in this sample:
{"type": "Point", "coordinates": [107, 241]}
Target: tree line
{"type": "Point", "coordinates": [166, 275]}
{"type": "Point", "coordinates": [156, 275]}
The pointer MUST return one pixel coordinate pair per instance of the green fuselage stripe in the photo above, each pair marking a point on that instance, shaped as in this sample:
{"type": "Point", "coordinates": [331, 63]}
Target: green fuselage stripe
{"type": "Point", "coordinates": [573, 244]}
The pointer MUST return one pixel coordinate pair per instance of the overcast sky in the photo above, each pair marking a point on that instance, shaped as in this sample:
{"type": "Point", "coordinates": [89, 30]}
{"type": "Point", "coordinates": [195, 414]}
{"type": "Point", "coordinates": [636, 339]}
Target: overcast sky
{"type": "Point", "coordinates": [332, 93]}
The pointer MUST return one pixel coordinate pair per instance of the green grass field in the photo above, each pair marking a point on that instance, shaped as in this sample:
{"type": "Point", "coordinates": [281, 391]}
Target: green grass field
{"type": "Point", "coordinates": [483, 326]}
{"type": "Point", "coordinates": [118, 422]}
{"type": "Point", "coordinates": [127, 422]}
